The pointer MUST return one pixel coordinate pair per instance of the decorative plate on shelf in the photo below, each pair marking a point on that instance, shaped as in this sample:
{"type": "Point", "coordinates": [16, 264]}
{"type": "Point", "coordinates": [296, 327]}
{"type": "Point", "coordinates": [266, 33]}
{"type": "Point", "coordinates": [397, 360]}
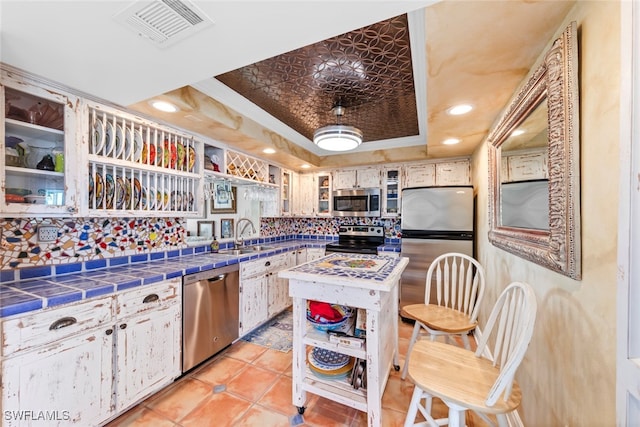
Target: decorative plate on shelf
{"type": "Point", "coordinates": [121, 193]}
{"type": "Point", "coordinates": [99, 190]}
{"type": "Point", "coordinates": [137, 145]}
{"type": "Point", "coordinates": [119, 144]}
{"type": "Point", "coordinates": [91, 186]}
{"type": "Point", "coordinates": [137, 193]}
{"type": "Point", "coordinates": [97, 137]}
{"type": "Point", "coordinates": [128, 144]}
{"type": "Point", "coordinates": [192, 159]}
{"type": "Point", "coordinates": [148, 153]}
{"type": "Point", "coordinates": [109, 139]}
{"type": "Point", "coordinates": [110, 189]}
{"type": "Point", "coordinates": [182, 156]}
{"type": "Point", "coordinates": [151, 198]}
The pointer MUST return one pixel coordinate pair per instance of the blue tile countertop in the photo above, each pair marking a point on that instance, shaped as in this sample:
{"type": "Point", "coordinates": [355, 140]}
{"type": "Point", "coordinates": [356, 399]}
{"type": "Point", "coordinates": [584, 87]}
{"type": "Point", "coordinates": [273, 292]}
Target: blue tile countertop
{"type": "Point", "coordinates": [43, 287]}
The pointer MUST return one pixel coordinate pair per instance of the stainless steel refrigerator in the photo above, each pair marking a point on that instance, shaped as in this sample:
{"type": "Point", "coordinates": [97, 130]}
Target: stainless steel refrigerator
{"type": "Point", "coordinates": [434, 221]}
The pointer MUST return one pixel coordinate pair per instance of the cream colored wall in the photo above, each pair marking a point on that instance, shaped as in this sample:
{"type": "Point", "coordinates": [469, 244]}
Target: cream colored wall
{"type": "Point", "coordinates": [568, 375]}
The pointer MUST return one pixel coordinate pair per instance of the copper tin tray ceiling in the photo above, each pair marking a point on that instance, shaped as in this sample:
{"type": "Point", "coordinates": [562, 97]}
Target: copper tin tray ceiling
{"type": "Point", "coordinates": [368, 71]}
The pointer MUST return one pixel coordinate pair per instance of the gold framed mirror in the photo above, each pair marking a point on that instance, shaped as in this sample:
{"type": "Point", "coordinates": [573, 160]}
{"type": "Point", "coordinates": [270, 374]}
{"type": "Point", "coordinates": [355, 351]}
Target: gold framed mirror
{"type": "Point", "coordinates": [548, 165]}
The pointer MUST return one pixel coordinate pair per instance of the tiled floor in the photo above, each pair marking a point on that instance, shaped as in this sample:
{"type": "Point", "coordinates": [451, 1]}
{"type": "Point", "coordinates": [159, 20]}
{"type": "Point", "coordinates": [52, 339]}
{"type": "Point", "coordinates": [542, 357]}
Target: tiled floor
{"type": "Point", "coordinates": [249, 385]}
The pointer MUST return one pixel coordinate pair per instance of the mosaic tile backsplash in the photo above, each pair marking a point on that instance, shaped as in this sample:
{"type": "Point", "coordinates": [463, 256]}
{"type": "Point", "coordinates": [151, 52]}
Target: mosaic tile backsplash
{"type": "Point", "coordinates": [87, 239]}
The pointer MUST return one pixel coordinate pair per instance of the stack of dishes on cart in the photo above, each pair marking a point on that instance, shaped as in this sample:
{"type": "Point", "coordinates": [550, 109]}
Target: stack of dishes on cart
{"type": "Point", "coordinates": [330, 317]}
{"type": "Point", "coordinates": [329, 364]}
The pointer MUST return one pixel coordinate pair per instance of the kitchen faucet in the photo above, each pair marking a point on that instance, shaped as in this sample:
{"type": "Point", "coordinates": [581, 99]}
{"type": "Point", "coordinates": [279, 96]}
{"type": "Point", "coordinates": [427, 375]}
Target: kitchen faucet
{"type": "Point", "coordinates": [239, 242]}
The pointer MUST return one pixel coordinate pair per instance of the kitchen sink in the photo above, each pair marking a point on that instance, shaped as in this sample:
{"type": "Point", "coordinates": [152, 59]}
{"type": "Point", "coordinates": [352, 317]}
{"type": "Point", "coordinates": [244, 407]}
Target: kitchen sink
{"type": "Point", "coordinates": [245, 250]}
{"type": "Point", "coordinates": [257, 248]}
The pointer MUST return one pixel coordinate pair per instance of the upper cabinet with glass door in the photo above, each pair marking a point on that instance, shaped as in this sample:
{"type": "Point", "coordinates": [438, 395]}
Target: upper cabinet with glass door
{"type": "Point", "coordinates": [137, 167]}
{"type": "Point", "coordinates": [38, 149]}
{"type": "Point", "coordinates": [324, 193]}
{"type": "Point", "coordinates": [391, 204]}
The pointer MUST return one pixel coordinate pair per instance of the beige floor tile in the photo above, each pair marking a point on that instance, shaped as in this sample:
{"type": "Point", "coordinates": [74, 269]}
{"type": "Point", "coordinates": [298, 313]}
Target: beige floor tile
{"type": "Point", "coordinates": [220, 410]}
{"type": "Point", "coordinates": [180, 399]}
{"type": "Point", "coordinates": [245, 351]}
{"type": "Point", "coordinates": [252, 382]}
{"type": "Point", "coordinates": [397, 394]}
{"type": "Point", "coordinates": [278, 397]}
{"type": "Point", "coordinates": [274, 360]}
{"type": "Point", "coordinates": [258, 416]}
{"type": "Point", "coordinates": [220, 371]}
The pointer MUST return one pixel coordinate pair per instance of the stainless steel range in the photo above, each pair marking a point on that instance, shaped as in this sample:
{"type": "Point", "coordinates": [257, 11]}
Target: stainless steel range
{"type": "Point", "coordinates": [358, 239]}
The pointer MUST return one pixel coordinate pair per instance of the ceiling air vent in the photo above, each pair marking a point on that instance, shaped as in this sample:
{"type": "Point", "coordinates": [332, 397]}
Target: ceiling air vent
{"type": "Point", "coordinates": [164, 22]}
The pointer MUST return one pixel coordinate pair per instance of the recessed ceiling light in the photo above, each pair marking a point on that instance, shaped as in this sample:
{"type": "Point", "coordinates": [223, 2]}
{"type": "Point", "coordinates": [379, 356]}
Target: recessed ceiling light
{"type": "Point", "coordinates": [268, 151]}
{"type": "Point", "coordinates": [459, 109]}
{"type": "Point", "coordinates": [164, 106]}
{"type": "Point", "coordinates": [305, 166]}
{"type": "Point", "coordinates": [451, 141]}
{"type": "Point", "coordinates": [517, 132]}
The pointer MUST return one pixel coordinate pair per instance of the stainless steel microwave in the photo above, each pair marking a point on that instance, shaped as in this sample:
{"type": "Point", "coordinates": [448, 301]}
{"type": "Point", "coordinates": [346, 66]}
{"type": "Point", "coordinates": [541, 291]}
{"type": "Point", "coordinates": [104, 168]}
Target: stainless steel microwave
{"type": "Point", "coordinates": [357, 202]}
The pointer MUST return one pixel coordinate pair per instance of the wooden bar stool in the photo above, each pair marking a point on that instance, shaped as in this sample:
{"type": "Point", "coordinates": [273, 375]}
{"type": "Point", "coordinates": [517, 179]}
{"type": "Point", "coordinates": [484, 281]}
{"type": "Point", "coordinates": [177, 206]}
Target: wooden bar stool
{"type": "Point", "coordinates": [459, 284]}
{"type": "Point", "coordinates": [482, 381]}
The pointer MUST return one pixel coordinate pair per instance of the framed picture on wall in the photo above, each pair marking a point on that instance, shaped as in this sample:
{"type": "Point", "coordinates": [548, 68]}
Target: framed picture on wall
{"type": "Point", "coordinates": [226, 228]}
{"type": "Point", "coordinates": [224, 199]}
{"type": "Point", "coordinates": [205, 228]}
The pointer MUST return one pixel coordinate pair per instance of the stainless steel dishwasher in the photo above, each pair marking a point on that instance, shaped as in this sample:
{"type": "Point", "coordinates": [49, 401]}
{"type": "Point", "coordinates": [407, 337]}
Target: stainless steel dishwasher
{"type": "Point", "coordinates": [210, 313]}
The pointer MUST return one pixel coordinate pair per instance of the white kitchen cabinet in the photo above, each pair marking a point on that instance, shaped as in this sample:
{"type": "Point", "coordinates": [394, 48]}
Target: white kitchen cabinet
{"type": "Point", "coordinates": [323, 194]}
{"type": "Point", "coordinates": [278, 288]}
{"type": "Point", "coordinates": [453, 173]}
{"type": "Point", "coordinates": [148, 341]}
{"type": "Point", "coordinates": [419, 175]}
{"type": "Point", "coordinates": [286, 181]}
{"type": "Point", "coordinates": [261, 295]}
{"type": "Point", "coordinates": [526, 167]}
{"type": "Point", "coordinates": [305, 195]}
{"type": "Point", "coordinates": [39, 153]}
{"type": "Point", "coordinates": [356, 178]}
{"type": "Point", "coordinates": [314, 254]}
{"type": "Point", "coordinates": [391, 192]}
{"type": "Point", "coordinates": [301, 256]}
{"type": "Point", "coordinates": [59, 362]}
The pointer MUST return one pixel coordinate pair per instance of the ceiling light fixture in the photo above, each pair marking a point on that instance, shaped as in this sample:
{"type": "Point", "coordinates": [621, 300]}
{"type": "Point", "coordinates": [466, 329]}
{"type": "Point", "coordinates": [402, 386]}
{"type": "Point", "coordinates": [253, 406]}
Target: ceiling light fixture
{"type": "Point", "coordinates": [459, 109]}
{"type": "Point", "coordinates": [268, 151]}
{"type": "Point", "coordinates": [451, 141]}
{"type": "Point", "coordinates": [338, 137]}
{"type": "Point", "coordinates": [165, 106]}
{"type": "Point", "coordinates": [517, 132]}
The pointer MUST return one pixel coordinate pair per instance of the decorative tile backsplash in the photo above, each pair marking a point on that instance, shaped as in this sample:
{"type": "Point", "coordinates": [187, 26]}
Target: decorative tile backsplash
{"type": "Point", "coordinates": [88, 239]}
{"type": "Point", "coordinates": [85, 239]}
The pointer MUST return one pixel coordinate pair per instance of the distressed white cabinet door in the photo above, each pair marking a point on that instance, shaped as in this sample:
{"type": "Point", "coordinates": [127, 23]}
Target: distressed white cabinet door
{"type": "Point", "coordinates": [314, 253]}
{"type": "Point", "coordinates": [301, 256]}
{"type": "Point", "coordinates": [305, 195]}
{"type": "Point", "coordinates": [453, 173]}
{"type": "Point", "coordinates": [148, 354]}
{"type": "Point", "coordinates": [344, 179]}
{"type": "Point", "coordinates": [69, 382]}
{"type": "Point", "coordinates": [253, 303]}
{"type": "Point", "coordinates": [368, 178]}
{"type": "Point", "coordinates": [419, 175]}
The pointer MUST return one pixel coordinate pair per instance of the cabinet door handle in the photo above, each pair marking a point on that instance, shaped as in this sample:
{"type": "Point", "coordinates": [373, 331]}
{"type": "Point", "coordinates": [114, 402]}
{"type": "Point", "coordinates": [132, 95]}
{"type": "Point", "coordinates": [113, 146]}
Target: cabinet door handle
{"type": "Point", "coordinates": [108, 331]}
{"type": "Point", "coordinates": [123, 326]}
{"type": "Point", "coordinates": [150, 298]}
{"type": "Point", "coordinates": [267, 264]}
{"type": "Point", "coordinates": [62, 323]}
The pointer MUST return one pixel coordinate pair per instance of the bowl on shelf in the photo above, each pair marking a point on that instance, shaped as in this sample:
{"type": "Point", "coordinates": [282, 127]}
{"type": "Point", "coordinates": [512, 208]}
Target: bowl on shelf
{"type": "Point", "coordinates": [36, 200]}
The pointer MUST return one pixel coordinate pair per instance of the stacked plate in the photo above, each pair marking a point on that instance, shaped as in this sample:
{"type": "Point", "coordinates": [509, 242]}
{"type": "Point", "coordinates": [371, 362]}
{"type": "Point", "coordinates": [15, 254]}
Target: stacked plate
{"type": "Point", "coordinates": [329, 364]}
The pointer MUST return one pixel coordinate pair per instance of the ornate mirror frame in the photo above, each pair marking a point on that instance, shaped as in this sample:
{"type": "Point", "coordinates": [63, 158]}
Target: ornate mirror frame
{"type": "Point", "coordinates": [556, 79]}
